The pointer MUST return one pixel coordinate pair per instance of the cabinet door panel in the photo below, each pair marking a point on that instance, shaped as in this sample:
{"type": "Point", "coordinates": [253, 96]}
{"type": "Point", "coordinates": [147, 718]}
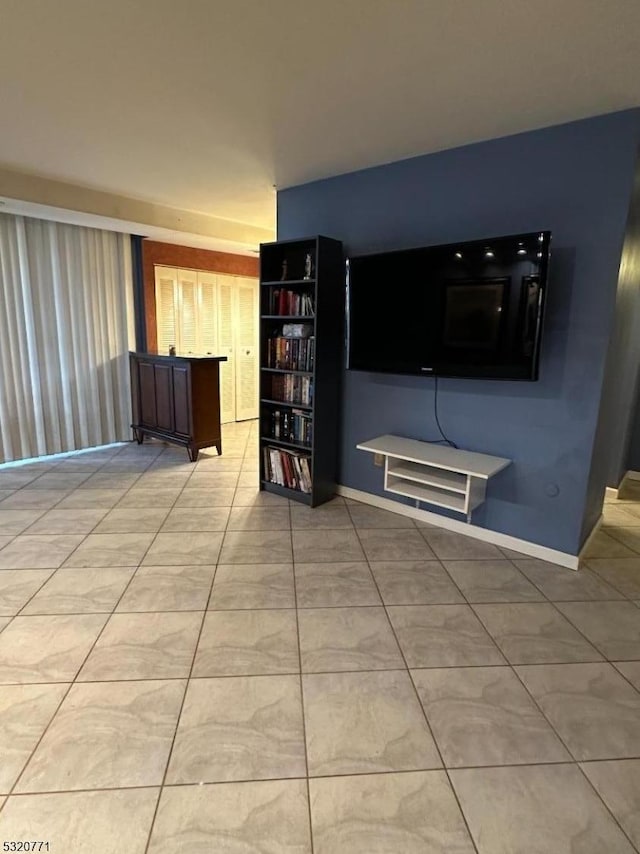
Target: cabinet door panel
{"type": "Point", "coordinates": [164, 403]}
{"type": "Point", "coordinates": [147, 387]}
{"type": "Point", "coordinates": [181, 401]}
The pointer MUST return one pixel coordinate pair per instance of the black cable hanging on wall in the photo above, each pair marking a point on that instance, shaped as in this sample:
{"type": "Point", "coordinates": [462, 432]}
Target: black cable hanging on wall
{"type": "Point", "coordinates": [445, 439]}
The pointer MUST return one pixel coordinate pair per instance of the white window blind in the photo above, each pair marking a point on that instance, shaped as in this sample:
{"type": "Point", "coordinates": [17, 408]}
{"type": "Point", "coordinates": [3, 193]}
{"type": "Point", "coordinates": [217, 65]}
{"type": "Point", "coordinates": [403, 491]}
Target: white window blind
{"type": "Point", "coordinates": [66, 323]}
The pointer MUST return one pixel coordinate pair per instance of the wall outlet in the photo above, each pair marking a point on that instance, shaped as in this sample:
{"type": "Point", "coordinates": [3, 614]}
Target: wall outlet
{"type": "Point", "coordinates": [378, 459]}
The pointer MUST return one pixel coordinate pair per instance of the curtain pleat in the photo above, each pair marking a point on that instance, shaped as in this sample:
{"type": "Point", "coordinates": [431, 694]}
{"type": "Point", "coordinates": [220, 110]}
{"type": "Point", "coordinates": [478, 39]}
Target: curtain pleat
{"type": "Point", "coordinates": [66, 295]}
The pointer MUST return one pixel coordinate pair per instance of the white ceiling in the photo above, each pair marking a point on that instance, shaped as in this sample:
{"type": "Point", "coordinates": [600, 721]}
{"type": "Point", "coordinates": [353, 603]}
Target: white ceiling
{"type": "Point", "coordinates": [205, 104]}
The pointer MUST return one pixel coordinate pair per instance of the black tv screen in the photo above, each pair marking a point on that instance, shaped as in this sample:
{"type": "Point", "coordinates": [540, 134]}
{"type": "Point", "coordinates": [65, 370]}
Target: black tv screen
{"type": "Point", "coordinates": [459, 310]}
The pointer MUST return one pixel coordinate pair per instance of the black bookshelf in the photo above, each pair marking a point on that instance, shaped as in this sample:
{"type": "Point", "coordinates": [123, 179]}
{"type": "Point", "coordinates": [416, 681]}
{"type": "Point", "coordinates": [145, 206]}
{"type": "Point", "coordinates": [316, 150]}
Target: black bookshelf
{"type": "Point", "coordinates": [306, 369]}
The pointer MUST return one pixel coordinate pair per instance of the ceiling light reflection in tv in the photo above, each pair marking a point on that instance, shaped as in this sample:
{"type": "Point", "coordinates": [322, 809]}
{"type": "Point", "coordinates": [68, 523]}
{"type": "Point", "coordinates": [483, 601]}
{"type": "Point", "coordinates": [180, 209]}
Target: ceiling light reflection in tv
{"type": "Point", "coordinates": [470, 309]}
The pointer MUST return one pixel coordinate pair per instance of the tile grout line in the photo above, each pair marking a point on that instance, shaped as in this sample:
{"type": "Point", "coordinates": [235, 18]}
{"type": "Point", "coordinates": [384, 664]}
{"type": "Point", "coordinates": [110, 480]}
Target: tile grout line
{"type": "Point", "coordinates": [55, 714]}
{"type": "Point", "coordinates": [126, 492]}
{"type": "Point", "coordinates": [554, 603]}
{"type": "Point", "coordinates": [34, 594]}
{"type": "Point", "coordinates": [384, 605]}
{"type": "Point", "coordinates": [505, 559]}
{"type": "Point", "coordinates": [618, 671]}
{"type": "Point", "coordinates": [605, 658]}
{"type": "Point", "coordinates": [187, 682]}
{"type": "Point", "coordinates": [66, 694]}
{"type": "Point", "coordinates": [576, 762]}
{"type": "Point", "coordinates": [625, 597]}
{"type": "Point", "coordinates": [261, 608]}
{"type": "Point", "coordinates": [368, 773]}
{"type": "Point", "coordinates": [184, 696]}
{"type": "Point", "coordinates": [169, 510]}
{"type": "Point", "coordinates": [606, 806]}
{"type": "Point", "coordinates": [472, 609]}
{"type": "Point", "coordinates": [57, 709]}
{"type": "Point", "coordinates": [102, 610]}
{"type": "Point", "coordinates": [99, 470]}
{"type": "Point", "coordinates": [419, 701]}
{"type": "Point", "coordinates": [226, 527]}
{"type": "Point", "coordinates": [300, 682]}
{"type": "Point", "coordinates": [30, 525]}
{"type": "Point", "coordinates": [139, 474]}
{"type": "Point", "coordinates": [609, 529]}
{"type": "Point", "coordinates": [546, 599]}
{"type": "Point", "coordinates": [293, 673]}
{"type": "Point", "coordinates": [56, 570]}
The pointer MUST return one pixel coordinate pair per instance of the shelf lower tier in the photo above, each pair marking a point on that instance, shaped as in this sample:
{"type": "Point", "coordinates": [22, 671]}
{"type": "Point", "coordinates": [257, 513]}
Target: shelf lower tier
{"type": "Point", "coordinates": [285, 492]}
{"type": "Point", "coordinates": [422, 473]}
{"type": "Point", "coordinates": [430, 495]}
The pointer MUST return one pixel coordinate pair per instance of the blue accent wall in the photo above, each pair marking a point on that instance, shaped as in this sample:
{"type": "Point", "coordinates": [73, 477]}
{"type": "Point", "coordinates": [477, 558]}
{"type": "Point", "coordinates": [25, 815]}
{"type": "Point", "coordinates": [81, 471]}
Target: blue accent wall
{"type": "Point", "coordinates": [138, 293]}
{"type": "Point", "coordinates": [574, 179]}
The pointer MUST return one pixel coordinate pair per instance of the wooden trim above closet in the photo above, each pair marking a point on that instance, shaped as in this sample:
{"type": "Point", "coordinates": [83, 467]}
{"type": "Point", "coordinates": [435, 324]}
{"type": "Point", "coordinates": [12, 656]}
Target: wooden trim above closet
{"type": "Point", "coordinates": [170, 255]}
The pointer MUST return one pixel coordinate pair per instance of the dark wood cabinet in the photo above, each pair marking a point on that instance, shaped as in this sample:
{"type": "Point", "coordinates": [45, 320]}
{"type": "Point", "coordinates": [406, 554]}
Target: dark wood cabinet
{"type": "Point", "coordinates": [181, 400]}
{"type": "Point", "coordinates": [177, 399]}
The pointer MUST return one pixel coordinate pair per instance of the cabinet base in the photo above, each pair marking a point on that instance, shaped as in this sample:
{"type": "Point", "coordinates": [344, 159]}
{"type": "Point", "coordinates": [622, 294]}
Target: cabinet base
{"type": "Point", "coordinates": [193, 449]}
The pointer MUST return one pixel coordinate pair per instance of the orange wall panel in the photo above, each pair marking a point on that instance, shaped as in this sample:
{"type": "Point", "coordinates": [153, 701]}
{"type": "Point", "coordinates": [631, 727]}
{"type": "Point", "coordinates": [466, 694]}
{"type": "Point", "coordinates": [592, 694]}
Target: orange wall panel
{"type": "Point", "coordinates": [170, 255]}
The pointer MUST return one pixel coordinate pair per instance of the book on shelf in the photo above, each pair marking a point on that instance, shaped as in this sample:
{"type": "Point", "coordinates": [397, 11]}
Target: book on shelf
{"type": "Point", "coordinates": [292, 426]}
{"type": "Point", "coordinates": [290, 388]}
{"type": "Point", "coordinates": [295, 354]}
{"type": "Point", "coordinates": [285, 302]}
{"type": "Point", "coordinates": [287, 468]}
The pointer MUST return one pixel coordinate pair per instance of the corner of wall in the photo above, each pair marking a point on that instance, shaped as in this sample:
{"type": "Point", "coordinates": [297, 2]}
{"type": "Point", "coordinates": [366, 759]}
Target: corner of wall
{"type": "Point", "coordinates": [619, 389]}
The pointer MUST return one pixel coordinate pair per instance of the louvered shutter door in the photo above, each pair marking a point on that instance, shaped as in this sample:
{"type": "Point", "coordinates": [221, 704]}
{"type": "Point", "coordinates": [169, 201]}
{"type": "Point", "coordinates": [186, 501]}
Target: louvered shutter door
{"type": "Point", "coordinates": [224, 300]}
{"type": "Point", "coordinates": [246, 349]}
{"type": "Point", "coordinates": [207, 332]}
{"type": "Point", "coordinates": [187, 312]}
{"type": "Point", "coordinates": [166, 280]}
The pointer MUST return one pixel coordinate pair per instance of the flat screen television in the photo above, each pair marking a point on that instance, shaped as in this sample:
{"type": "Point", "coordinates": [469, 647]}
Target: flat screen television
{"type": "Point", "coordinates": [469, 309]}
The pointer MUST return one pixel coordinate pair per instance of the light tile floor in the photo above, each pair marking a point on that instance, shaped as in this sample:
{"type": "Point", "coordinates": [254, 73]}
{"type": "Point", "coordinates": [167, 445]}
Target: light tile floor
{"type": "Point", "coordinates": [189, 665]}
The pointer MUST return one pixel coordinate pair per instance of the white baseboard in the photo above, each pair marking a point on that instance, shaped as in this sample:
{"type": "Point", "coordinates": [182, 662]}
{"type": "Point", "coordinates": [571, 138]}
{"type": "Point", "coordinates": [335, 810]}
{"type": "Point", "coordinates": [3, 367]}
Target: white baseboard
{"type": "Point", "coordinates": [611, 492]}
{"type": "Point", "coordinates": [63, 454]}
{"type": "Point", "coordinates": [594, 531]}
{"type": "Point", "coordinates": [524, 546]}
{"type": "Point", "coordinates": [630, 477]}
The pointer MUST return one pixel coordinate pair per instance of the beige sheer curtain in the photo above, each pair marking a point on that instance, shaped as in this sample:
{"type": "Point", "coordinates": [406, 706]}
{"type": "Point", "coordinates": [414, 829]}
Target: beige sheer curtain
{"type": "Point", "coordinates": [66, 325]}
